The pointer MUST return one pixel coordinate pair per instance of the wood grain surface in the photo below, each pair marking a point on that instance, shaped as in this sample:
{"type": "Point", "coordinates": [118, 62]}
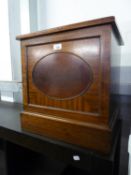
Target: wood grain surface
{"type": "Point", "coordinates": [67, 75]}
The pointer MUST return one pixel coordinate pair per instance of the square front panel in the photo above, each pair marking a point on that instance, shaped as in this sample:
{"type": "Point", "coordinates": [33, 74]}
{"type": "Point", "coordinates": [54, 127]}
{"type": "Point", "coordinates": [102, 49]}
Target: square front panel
{"type": "Point", "coordinates": [65, 76]}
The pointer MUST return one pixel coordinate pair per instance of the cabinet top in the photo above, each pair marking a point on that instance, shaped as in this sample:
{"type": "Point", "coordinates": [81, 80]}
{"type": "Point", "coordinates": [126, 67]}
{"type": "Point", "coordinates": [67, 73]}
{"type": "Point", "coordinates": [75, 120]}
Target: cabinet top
{"type": "Point", "coordinates": [91, 23]}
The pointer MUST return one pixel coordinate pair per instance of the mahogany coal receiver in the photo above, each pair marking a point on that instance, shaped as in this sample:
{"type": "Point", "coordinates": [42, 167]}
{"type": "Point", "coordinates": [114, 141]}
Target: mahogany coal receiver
{"type": "Point", "coordinates": [68, 80]}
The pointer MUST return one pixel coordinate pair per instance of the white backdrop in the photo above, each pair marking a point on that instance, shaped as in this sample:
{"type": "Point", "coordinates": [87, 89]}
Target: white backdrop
{"type": "Point", "coordinates": [5, 61]}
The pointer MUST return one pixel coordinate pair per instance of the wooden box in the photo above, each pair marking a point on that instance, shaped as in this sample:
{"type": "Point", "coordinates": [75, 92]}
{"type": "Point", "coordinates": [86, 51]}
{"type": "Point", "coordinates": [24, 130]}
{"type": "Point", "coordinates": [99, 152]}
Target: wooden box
{"type": "Point", "coordinates": [68, 80]}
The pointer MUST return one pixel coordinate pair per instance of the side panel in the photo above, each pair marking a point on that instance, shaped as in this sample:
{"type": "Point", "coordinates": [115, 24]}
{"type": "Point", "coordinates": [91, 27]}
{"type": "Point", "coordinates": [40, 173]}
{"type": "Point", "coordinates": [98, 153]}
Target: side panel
{"type": "Point", "coordinates": [115, 77]}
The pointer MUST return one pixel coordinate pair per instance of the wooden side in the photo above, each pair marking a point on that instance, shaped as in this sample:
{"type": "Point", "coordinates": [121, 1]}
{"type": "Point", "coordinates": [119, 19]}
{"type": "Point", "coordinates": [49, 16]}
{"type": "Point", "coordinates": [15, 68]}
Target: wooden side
{"type": "Point", "coordinates": [105, 73]}
{"type": "Point", "coordinates": [90, 136]}
{"type": "Point", "coordinates": [115, 77]}
{"type": "Point", "coordinates": [24, 74]}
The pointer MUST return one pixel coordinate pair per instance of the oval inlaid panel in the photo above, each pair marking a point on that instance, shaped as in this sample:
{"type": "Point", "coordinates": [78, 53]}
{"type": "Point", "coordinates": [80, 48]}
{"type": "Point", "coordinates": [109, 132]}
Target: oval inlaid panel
{"type": "Point", "coordinates": [62, 75]}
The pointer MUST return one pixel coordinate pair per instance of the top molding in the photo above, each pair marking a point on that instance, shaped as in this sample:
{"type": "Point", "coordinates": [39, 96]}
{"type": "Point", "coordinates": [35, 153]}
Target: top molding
{"type": "Point", "coordinates": [92, 23]}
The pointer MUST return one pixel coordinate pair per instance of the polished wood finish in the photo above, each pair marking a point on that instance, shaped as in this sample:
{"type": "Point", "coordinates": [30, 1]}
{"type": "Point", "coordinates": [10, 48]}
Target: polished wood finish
{"type": "Point", "coordinates": [67, 82]}
{"type": "Point", "coordinates": [69, 130]}
{"type": "Point", "coordinates": [92, 23]}
{"type": "Point", "coordinates": [64, 81]}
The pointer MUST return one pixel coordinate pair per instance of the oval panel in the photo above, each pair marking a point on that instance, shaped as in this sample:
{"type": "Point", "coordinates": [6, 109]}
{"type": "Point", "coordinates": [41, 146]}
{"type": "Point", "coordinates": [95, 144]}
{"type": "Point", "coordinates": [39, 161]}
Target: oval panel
{"type": "Point", "coordinates": [62, 75]}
